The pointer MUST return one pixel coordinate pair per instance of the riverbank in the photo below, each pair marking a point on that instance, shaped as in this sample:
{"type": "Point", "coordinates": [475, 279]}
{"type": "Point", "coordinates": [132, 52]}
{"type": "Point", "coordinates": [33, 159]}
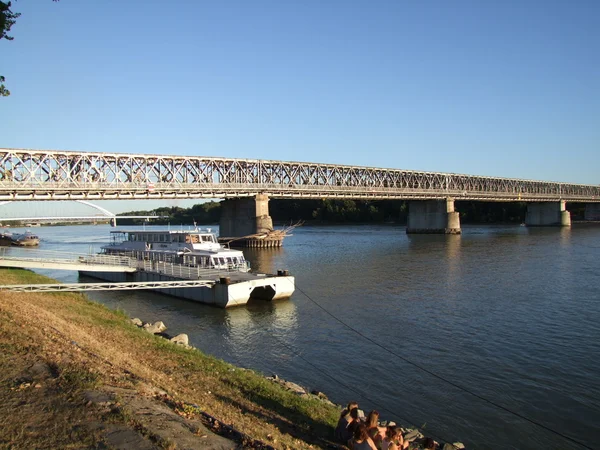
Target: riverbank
{"type": "Point", "coordinates": [88, 375]}
{"type": "Point", "coordinates": [93, 377]}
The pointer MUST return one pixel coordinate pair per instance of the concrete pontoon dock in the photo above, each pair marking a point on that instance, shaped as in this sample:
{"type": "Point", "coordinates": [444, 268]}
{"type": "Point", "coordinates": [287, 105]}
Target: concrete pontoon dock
{"type": "Point", "coordinates": [229, 288]}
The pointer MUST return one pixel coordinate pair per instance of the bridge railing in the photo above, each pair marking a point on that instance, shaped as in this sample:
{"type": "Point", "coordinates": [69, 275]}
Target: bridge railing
{"type": "Point", "coordinates": [463, 190]}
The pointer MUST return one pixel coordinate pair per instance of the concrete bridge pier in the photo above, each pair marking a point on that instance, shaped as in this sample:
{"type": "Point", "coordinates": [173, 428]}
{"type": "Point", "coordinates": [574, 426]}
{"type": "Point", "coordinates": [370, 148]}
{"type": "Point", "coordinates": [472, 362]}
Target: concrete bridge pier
{"type": "Point", "coordinates": [592, 211]}
{"type": "Point", "coordinates": [548, 214]}
{"type": "Point", "coordinates": [432, 217]}
{"type": "Point", "coordinates": [248, 216]}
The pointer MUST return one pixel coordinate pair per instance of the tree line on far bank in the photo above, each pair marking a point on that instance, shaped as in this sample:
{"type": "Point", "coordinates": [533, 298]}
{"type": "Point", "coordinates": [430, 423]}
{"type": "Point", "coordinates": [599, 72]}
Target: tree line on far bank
{"type": "Point", "coordinates": [344, 211]}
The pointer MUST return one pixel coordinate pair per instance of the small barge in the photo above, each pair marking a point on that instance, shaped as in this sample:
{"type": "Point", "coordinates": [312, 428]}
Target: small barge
{"type": "Point", "coordinates": [5, 239]}
{"type": "Point", "coordinates": [26, 239]}
{"type": "Point", "coordinates": [167, 256]}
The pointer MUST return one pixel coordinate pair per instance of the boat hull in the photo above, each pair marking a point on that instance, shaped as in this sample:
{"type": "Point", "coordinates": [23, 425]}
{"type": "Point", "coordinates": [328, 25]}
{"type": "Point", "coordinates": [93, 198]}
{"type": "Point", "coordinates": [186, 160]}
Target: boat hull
{"type": "Point", "coordinates": [26, 243]}
{"type": "Point", "coordinates": [232, 289]}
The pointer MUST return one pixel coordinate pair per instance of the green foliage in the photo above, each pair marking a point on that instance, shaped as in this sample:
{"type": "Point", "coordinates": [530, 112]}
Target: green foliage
{"type": "Point", "coordinates": [3, 91]}
{"type": "Point", "coordinates": [492, 212]}
{"type": "Point", "coordinates": [77, 379]}
{"type": "Point", "coordinates": [7, 20]}
{"type": "Point", "coordinates": [336, 211]}
{"type": "Point", "coordinates": [201, 213]}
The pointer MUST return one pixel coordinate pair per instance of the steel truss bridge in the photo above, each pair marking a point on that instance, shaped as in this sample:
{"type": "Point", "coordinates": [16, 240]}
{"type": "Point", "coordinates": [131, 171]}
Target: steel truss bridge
{"type": "Point", "coordinates": [67, 175]}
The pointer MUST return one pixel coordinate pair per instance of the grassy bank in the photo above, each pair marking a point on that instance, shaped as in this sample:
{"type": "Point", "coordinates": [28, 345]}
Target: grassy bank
{"type": "Point", "coordinates": [59, 350]}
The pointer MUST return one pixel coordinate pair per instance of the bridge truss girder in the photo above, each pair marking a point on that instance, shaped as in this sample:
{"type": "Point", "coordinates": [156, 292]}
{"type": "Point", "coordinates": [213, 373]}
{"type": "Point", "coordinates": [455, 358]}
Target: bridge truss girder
{"type": "Point", "coordinates": [59, 175]}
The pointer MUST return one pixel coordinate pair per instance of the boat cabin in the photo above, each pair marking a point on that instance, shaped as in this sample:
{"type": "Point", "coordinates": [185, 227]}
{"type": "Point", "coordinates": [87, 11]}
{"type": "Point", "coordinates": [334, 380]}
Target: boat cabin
{"type": "Point", "coordinates": [190, 248]}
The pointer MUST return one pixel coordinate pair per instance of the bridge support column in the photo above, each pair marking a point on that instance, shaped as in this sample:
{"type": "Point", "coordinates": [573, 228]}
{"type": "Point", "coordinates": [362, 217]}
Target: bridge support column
{"type": "Point", "coordinates": [548, 214]}
{"type": "Point", "coordinates": [592, 211]}
{"type": "Point", "coordinates": [242, 217]}
{"type": "Point", "coordinates": [433, 217]}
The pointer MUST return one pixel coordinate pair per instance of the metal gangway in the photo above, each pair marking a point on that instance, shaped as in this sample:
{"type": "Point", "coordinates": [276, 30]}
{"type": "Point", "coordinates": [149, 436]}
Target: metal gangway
{"type": "Point", "coordinates": [48, 259]}
{"type": "Point", "coordinates": [127, 286]}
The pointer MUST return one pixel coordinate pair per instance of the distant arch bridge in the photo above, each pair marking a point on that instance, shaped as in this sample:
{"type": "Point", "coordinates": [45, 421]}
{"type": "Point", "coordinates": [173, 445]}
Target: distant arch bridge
{"type": "Point", "coordinates": [105, 215]}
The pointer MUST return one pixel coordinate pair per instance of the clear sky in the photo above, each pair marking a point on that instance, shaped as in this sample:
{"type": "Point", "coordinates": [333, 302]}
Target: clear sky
{"type": "Point", "coordinates": [501, 88]}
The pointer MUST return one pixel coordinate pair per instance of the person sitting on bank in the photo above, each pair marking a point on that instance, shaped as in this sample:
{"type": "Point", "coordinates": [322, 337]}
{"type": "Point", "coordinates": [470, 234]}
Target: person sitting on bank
{"type": "Point", "coordinates": [342, 432]}
{"type": "Point", "coordinates": [376, 433]}
{"type": "Point", "coordinates": [393, 439]}
{"type": "Point", "coordinates": [361, 439]}
{"type": "Point", "coordinates": [358, 417]}
{"type": "Point", "coordinates": [429, 444]}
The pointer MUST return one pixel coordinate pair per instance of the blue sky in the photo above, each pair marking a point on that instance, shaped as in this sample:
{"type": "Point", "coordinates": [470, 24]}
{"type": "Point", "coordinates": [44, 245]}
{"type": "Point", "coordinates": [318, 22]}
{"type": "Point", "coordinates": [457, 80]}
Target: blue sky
{"type": "Point", "coordinates": [507, 88]}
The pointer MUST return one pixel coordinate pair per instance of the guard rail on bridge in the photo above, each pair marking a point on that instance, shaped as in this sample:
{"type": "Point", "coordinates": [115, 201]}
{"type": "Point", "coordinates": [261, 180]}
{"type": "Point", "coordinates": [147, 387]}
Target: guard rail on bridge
{"type": "Point", "coordinates": [62, 175]}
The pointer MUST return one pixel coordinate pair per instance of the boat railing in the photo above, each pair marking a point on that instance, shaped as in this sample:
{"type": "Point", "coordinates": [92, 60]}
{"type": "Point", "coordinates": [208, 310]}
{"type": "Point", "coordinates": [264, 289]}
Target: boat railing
{"type": "Point", "coordinates": [189, 272]}
{"type": "Point", "coordinates": [162, 267]}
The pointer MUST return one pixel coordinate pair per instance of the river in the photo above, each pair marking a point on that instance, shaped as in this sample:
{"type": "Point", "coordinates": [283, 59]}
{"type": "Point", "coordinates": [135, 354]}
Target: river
{"type": "Point", "coordinates": [509, 313]}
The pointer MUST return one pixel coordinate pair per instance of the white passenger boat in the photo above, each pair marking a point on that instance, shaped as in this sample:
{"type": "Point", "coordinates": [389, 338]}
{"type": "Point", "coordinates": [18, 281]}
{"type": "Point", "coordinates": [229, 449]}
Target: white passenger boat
{"type": "Point", "coordinates": [197, 248]}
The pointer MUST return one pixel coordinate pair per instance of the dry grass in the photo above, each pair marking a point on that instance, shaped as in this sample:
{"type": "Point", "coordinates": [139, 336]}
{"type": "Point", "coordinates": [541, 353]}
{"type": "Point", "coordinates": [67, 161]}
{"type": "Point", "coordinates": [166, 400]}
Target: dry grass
{"type": "Point", "coordinates": [88, 344]}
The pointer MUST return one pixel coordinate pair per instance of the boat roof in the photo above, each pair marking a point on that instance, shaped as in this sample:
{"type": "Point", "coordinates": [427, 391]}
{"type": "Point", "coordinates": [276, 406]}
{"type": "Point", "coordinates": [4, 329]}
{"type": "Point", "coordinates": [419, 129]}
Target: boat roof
{"type": "Point", "coordinates": [165, 231]}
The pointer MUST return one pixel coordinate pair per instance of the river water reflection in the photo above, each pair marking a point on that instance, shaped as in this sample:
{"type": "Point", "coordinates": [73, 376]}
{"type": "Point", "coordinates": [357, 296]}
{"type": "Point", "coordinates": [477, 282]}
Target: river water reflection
{"type": "Point", "coordinates": [510, 313]}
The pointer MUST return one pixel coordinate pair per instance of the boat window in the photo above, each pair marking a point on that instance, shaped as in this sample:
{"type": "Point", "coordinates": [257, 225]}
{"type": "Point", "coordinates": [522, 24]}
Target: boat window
{"type": "Point", "coordinates": [222, 260]}
{"type": "Point", "coordinates": [206, 238]}
{"type": "Point", "coordinates": [162, 238]}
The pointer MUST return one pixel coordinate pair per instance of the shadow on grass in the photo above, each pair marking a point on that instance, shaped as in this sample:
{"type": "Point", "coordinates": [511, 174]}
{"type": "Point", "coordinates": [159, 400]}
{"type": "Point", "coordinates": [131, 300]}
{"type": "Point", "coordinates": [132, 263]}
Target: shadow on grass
{"type": "Point", "coordinates": [297, 425]}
